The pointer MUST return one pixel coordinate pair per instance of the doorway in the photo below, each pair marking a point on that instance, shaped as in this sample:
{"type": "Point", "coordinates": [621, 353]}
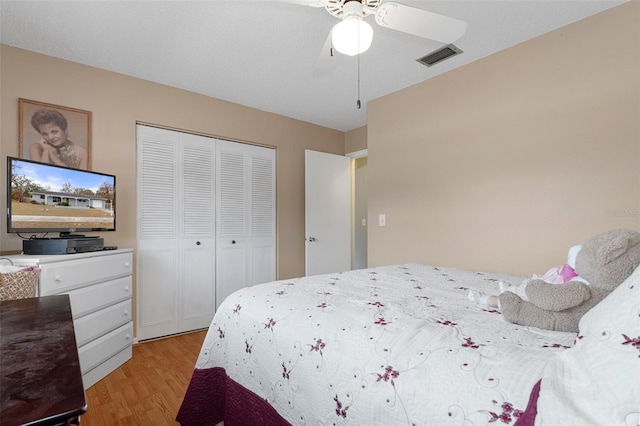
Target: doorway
{"type": "Point", "coordinates": [360, 220]}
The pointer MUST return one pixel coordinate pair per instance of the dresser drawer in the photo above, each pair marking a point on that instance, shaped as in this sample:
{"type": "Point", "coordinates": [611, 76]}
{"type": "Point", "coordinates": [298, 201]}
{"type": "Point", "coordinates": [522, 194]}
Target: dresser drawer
{"type": "Point", "coordinates": [98, 296]}
{"type": "Point", "coordinates": [96, 352]}
{"type": "Point", "coordinates": [95, 375]}
{"type": "Point", "coordinates": [61, 277]}
{"type": "Point", "coordinates": [94, 325]}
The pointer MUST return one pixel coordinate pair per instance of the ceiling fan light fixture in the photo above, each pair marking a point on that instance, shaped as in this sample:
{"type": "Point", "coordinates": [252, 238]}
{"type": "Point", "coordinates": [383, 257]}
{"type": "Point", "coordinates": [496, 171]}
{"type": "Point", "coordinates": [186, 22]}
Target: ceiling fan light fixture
{"type": "Point", "coordinates": [352, 36]}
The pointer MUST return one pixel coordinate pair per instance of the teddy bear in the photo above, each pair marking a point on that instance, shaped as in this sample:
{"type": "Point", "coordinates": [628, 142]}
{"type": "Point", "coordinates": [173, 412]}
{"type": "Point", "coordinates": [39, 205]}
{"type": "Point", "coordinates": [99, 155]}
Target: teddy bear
{"type": "Point", "coordinates": [604, 261]}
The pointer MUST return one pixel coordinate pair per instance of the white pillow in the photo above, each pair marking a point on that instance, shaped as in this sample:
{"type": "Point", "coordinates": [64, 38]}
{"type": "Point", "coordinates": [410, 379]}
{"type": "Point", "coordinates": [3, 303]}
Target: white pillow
{"type": "Point", "coordinates": [597, 382]}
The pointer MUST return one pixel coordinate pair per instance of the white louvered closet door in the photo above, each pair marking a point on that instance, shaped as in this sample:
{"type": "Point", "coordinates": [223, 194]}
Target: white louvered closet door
{"type": "Point", "coordinates": [176, 232]}
{"type": "Point", "coordinates": [246, 226]}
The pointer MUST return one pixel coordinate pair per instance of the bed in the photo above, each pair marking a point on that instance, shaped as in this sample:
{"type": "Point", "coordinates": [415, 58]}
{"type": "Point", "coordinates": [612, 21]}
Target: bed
{"type": "Point", "coordinates": [392, 345]}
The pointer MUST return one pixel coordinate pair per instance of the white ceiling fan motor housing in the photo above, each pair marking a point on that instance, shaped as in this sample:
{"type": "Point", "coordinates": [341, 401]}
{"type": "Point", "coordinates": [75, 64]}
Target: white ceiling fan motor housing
{"type": "Point", "coordinates": [352, 36]}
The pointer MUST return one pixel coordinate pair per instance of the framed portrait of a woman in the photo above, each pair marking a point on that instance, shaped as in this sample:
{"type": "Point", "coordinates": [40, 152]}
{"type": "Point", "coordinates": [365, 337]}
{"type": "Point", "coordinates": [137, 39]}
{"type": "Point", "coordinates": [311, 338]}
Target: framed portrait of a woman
{"type": "Point", "coordinates": [54, 134]}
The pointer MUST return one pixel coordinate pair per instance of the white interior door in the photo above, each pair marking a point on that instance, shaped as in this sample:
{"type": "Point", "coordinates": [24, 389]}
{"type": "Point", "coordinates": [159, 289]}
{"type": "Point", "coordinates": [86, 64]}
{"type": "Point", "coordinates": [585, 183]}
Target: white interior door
{"type": "Point", "coordinates": [197, 198]}
{"type": "Point", "coordinates": [158, 210]}
{"type": "Point", "coordinates": [246, 225]}
{"type": "Point", "coordinates": [176, 232]}
{"type": "Point", "coordinates": [327, 213]}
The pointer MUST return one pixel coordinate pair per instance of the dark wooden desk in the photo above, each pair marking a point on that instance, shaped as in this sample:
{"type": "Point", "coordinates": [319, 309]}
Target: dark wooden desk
{"type": "Point", "coordinates": [40, 378]}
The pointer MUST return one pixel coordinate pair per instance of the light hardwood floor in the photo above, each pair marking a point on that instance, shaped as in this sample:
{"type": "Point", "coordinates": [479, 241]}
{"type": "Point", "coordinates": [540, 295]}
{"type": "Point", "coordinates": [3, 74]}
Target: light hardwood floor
{"type": "Point", "coordinates": [149, 388]}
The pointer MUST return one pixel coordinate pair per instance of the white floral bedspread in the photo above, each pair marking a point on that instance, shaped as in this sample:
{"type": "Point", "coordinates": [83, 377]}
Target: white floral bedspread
{"type": "Point", "coordinates": [394, 345]}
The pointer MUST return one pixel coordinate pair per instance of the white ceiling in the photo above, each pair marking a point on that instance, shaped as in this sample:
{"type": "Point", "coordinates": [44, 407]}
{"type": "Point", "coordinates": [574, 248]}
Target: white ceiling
{"type": "Point", "coordinates": [265, 54]}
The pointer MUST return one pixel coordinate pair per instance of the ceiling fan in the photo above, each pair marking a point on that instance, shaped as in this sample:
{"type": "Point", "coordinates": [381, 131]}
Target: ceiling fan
{"type": "Point", "coordinates": [353, 35]}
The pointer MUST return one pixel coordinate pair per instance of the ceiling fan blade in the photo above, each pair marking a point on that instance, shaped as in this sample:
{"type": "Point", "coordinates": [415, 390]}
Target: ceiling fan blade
{"type": "Point", "coordinates": [420, 22]}
{"type": "Point", "coordinates": [312, 3]}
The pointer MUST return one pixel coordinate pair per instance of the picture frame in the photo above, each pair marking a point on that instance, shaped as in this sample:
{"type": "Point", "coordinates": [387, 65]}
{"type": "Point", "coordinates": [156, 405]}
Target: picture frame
{"type": "Point", "coordinates": [53, 144]}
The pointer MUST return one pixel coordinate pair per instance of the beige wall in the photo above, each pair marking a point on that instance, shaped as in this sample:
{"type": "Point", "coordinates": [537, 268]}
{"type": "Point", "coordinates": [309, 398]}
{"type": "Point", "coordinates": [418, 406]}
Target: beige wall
{"type": "Point", "coordinates": [355, 140]}
{"type": "Point", "coordinates": [118, 102]}
{"type": "Point", "coordinates": [501, 165]}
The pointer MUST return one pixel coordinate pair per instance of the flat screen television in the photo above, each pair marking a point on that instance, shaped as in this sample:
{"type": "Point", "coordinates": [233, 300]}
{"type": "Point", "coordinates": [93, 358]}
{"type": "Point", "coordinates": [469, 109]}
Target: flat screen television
{"type": "Point", "coordinates": [44, 198]}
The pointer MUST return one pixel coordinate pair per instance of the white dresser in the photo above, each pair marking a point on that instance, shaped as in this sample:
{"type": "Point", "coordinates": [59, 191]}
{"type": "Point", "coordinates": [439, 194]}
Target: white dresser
{"type": "Point", "coordinates": [100, 286]}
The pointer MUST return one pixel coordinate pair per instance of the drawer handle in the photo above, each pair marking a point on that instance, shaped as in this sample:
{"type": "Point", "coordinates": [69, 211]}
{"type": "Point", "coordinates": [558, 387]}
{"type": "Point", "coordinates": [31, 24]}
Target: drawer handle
{"type": "Point", "coordinates": [126, 313]}
{"type": "Point", "coordinates": [128, 336]}
{"type": "Point", "coordinates": [58, 278]}
{"type": "Point", "coordinates": [127, 264]}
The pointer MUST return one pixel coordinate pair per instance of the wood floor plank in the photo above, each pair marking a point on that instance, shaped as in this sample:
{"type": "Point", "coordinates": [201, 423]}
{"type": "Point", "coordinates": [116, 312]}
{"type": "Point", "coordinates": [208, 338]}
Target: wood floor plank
{"type": "Point", "coordinates": [149, 388]}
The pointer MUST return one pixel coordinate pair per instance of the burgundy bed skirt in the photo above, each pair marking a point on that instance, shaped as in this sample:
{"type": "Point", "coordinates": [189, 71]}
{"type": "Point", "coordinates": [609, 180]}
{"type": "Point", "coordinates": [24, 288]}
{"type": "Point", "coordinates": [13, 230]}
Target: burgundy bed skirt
{"type": "Point", "coordinates": [213, 397]}
{"type": "Point", "coordinates": [528, 418]}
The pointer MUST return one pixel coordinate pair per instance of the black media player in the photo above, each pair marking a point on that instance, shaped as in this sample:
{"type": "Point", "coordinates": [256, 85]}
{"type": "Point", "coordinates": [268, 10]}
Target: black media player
{"type": "Point", "coordinates": [40, 246]}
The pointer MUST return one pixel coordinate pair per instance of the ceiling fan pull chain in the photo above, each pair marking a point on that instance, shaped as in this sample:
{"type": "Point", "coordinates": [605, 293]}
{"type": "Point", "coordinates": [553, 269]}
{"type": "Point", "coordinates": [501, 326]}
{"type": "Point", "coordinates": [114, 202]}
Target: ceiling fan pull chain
{"type": "Point", "coordinates": [358, 105]}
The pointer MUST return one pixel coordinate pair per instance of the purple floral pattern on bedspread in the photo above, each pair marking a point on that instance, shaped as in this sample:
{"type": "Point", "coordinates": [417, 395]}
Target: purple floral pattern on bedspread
{"type": "Point", "coordinates": [395, 345]}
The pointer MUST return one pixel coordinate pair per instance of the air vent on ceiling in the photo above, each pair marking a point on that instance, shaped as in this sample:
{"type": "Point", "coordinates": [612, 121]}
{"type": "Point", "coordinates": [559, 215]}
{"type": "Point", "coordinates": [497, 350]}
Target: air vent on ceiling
{"type": "Point", "coordinates": [439, 55]}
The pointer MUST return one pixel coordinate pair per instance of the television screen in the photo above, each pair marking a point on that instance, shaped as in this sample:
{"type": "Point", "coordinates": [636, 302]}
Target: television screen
{"type": "Point", "coordinates": [47, 198]}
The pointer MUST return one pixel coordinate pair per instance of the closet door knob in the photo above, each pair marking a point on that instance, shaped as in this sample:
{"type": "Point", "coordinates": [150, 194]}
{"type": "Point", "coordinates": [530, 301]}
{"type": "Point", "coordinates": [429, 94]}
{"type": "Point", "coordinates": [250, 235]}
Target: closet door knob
{"type": "Point", "coordinates": [197, 243]}
{"type": "Point", "coordinates": [233, 241]}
